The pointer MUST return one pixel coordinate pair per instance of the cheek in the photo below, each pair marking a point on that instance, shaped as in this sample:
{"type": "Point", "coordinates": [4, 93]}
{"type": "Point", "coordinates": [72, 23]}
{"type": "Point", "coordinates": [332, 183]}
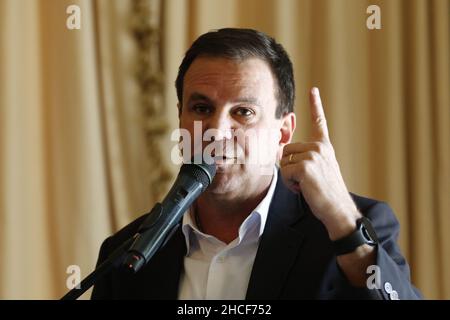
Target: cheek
{"type": "Point", "coordinates": [185, 123]}
{"type": "Point", "coordinates": [260, 148]}
{"type": "Point", "coordinates": [193, 129]}
{"type": "Point", "coordinates": [266, 146]}
{"type": "Point", "coordinates": [186, 141]}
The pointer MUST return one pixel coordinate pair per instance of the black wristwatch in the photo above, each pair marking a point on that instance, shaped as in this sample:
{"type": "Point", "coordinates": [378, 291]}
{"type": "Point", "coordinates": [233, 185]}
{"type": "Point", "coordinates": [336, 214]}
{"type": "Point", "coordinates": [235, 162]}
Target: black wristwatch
{"type": "Point", "coordinates": [364, 234]}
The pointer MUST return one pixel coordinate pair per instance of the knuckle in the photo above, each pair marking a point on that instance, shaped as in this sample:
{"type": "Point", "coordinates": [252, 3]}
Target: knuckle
{"type": "Point", "coordinates": [312, 156]}
{"type": "Point", "coordinates": [319, 147]}
{"type": "Point", "coordinates": [300, 169]}
{"type": "Point", "coordinates": [305, 167]}
{"type": "Point", "coordinates": [321, 121]}
{"type": "Point", "coordinates": [323, 148]}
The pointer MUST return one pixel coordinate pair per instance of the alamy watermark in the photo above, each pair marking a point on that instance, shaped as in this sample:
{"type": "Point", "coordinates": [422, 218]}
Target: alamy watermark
{"type": "Point", "coordinates": [74, 278]}
{"type": "Point", "coordinates": [231, 146]}
{"type": "Point", "coordinates": [374, 280]}
{"type": "Point", "coordinates": [374, 20]}
{"type": "Point", "coordinates": [73, 21]}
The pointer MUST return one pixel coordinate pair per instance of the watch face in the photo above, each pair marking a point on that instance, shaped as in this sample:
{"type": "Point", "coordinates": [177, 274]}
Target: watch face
{"type": "Point", "coordinates": [368, 231]}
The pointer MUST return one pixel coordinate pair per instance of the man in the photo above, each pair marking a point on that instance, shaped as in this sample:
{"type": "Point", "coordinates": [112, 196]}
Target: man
{"type": "Point", "coordinates": [288, 233]}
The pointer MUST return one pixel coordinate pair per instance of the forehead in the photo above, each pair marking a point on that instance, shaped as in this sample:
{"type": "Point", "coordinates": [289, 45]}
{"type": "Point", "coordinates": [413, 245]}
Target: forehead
{"type": "Point", "coordinates": [216, 76]}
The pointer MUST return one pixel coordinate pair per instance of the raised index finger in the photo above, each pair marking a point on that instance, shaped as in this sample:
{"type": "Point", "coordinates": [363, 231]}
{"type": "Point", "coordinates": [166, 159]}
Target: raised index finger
{"type": "Point", "coordinates": [319, 122]}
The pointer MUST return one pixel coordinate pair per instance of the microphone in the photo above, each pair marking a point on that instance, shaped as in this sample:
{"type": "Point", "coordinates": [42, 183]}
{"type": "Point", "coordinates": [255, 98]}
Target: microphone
{"type": "Point", "coordinates": [163, 220]}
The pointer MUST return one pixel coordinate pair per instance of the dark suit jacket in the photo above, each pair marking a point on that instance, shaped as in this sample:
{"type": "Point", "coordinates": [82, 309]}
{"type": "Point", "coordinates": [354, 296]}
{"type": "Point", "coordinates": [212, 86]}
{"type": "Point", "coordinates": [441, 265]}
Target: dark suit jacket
{"type": "Point", "coordinates": [295, 259]}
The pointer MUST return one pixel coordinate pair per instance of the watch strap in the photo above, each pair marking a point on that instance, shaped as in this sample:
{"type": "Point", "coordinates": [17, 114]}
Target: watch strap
{"type": "Point", "coordinates": [355, 239]}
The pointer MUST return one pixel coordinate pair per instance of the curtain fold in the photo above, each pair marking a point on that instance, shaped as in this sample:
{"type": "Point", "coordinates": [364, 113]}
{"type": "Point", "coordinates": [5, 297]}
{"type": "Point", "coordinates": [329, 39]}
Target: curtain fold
{"type": "Point", "coordinates": [74, 164]}
{"type": "Point", "coordinates": [54, 205]}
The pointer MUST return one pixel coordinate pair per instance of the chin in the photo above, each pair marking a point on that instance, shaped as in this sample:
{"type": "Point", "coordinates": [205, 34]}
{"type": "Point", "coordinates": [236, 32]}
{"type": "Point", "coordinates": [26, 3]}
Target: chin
{"type": "Point", "coordinates": [222, 184]}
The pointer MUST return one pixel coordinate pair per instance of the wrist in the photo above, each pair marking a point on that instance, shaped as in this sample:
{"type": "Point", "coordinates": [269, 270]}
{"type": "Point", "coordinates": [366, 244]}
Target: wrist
{"type": "Point", "coordinates": [342, 225]}
{"type": "Point", "coordinates": [341, 229]}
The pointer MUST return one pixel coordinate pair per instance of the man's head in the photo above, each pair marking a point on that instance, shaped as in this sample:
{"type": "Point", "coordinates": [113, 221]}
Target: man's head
{"type": "Point", "coordinates": [229, 92]}
{"type": "Point", "coordinates": [241, 44]}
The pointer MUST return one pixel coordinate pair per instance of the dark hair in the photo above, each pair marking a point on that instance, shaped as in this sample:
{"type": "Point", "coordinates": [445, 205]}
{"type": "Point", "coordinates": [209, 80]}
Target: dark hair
{"type": "Point", "coordinates": [241, 44]}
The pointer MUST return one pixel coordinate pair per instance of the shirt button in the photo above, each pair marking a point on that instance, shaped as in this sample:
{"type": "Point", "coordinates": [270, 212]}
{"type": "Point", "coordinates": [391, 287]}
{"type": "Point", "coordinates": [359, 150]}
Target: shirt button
{"type": "Point", "coordinates": [394, 295]}
{"type": "Point", "coordinates": [388, 287]}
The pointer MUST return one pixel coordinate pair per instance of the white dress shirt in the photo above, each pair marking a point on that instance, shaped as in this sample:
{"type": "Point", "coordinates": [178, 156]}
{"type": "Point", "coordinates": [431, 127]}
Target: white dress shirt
{"type": "Point", "coordinates": [216, 270]}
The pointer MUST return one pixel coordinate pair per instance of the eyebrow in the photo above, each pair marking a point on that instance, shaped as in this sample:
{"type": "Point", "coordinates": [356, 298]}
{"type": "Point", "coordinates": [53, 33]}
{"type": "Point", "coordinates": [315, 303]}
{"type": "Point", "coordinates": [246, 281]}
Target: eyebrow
{"type": "Point", "coordinates": [198, 96]}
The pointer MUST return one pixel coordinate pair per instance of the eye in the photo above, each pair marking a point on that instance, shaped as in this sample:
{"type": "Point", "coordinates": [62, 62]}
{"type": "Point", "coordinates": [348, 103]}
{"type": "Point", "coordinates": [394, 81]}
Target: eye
{"type": "Point", "coordinates": [202, 109]}
{"type": "Point", "coordinates": [244, 112]}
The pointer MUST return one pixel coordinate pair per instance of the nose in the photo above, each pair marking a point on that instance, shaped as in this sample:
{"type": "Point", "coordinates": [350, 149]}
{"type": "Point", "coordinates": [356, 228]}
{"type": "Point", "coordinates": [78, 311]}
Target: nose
{"type": "Point", "coordinates": [220, 127]}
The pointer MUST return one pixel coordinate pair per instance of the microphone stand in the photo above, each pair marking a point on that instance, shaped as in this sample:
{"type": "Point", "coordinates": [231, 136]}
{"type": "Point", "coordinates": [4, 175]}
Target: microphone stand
{"type": "Point", "coordinates": [155, 231]}
{"type": "Point", "coordinates": [132, 261]}
{"type": "Point", "coordinates": [98, 273]}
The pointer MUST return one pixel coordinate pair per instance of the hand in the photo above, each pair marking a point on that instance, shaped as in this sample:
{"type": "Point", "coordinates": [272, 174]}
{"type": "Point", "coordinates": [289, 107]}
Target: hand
{"type": "Point", "coordinates": [312, 169]}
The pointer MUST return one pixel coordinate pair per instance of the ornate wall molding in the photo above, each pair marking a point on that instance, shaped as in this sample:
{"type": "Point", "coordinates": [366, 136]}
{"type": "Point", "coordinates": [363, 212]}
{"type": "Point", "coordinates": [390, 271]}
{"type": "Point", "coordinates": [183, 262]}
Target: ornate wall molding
{"type": "Point", "coordinates": [147, 32]}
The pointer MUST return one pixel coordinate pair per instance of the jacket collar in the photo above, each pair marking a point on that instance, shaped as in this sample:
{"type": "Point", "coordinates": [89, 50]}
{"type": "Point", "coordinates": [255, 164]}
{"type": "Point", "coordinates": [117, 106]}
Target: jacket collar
{"type": "Point", "coordinates": [278, 249]}
{"type": "Point", "coordinates": [279, 244]}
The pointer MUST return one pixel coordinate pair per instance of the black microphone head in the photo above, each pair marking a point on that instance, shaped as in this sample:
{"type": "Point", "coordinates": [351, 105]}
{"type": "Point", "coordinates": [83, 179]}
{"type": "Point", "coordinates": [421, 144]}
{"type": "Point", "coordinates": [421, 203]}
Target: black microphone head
{"type": "Point", "coordinates": [202, 172]}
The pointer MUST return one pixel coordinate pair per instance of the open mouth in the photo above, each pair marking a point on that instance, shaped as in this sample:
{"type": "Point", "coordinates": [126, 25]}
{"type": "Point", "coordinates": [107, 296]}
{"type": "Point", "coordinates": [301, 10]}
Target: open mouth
{"type": "Point", "coordinates": [221, 160]}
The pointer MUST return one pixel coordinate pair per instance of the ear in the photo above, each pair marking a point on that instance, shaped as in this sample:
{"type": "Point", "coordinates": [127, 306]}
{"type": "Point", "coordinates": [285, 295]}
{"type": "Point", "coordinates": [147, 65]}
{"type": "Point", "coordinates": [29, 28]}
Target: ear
{"type": "Point", "coordinates": [286, 131]}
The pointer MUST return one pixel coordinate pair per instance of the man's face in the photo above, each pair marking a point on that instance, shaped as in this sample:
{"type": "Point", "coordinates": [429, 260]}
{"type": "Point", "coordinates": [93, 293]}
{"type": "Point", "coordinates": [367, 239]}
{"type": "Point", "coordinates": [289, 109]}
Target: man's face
{"type": "Point", "coordinates": [235, 103]}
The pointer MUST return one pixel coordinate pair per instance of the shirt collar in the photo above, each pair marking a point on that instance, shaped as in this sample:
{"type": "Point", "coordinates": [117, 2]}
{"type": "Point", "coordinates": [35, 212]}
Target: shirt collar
{"type": "Point", "coordinates": [263, 206]}
{"type": "Point", "coordinates": [258, 215]}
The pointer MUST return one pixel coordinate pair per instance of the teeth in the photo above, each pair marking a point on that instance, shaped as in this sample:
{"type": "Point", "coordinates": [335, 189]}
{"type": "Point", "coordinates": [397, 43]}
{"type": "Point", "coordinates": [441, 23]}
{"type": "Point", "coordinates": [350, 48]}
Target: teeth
{"type": "Point", "coordinates": [224, 159]}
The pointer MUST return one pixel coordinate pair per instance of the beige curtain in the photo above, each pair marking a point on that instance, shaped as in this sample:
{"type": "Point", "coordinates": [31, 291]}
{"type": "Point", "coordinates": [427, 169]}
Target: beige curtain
{"type": "Point", "coordinates": [54, 205]}
{"type": "Point", "coordinates": [74, 135]}
{"type": "Point", "coordinates": [83, 136]}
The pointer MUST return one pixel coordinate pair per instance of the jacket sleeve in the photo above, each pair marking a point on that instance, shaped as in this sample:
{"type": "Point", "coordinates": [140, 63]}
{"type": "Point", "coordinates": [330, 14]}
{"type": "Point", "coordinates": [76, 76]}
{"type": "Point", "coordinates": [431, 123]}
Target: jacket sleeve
{"type": "Point", "coordinates": [389, 278]}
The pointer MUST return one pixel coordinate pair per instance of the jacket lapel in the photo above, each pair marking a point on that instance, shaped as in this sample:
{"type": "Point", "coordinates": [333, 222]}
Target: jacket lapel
{"type": "Point", "coordinates": [160, 278]}
{"type": "Point", "coordinates": [284, 234]}
{"type": "Point", "coordinates": [279, 246]}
